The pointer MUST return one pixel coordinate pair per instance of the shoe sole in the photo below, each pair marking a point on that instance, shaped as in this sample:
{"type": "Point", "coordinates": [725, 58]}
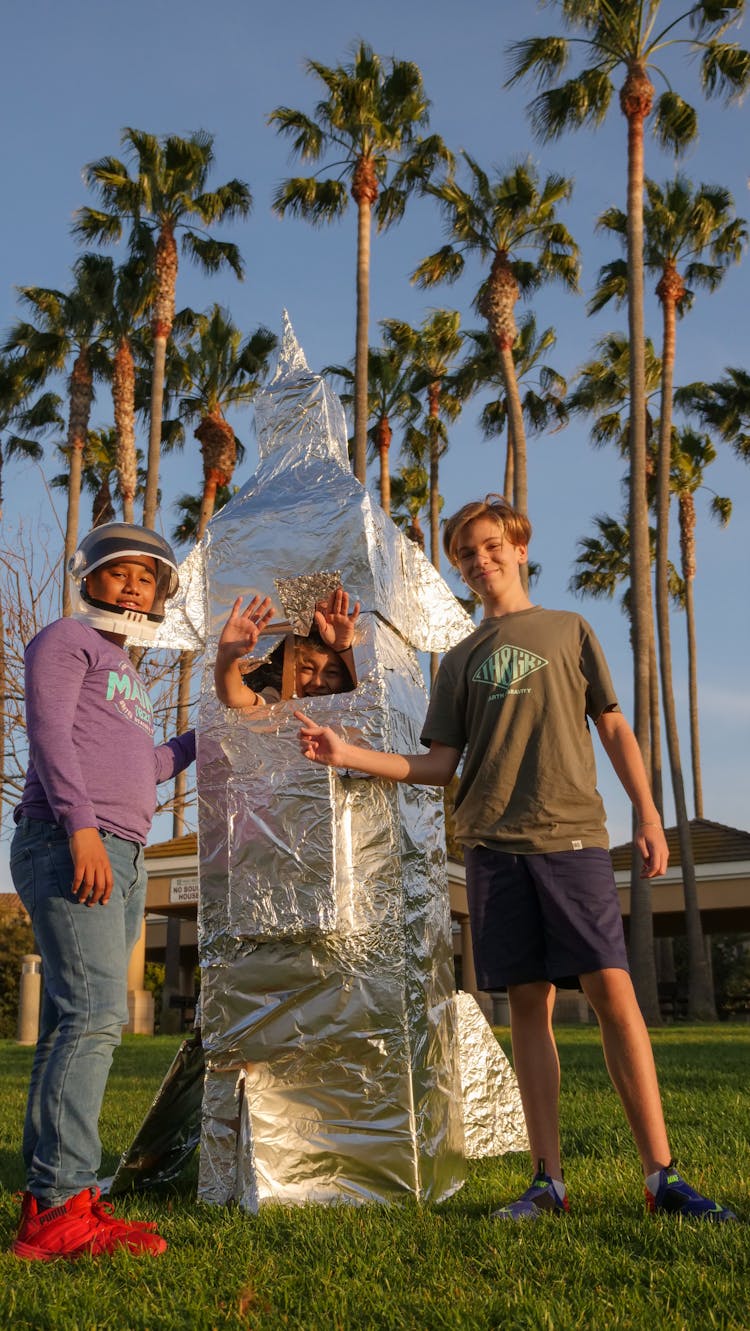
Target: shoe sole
{"type": "Point", "coordinates": [29, 1253]}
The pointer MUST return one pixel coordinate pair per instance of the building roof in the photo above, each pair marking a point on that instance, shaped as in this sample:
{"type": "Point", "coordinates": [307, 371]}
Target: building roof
{"type": "Point", "coordinates": [713, 843]}
{"type": "Point", "coordinates": [11, 904]}
{"type": "Point", "coordinates": [181, 845]}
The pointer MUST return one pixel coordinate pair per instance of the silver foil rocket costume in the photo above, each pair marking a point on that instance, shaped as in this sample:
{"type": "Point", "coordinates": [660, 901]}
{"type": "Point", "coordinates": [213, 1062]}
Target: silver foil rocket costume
{"type": "Point", "coordinates": [328, 1015]}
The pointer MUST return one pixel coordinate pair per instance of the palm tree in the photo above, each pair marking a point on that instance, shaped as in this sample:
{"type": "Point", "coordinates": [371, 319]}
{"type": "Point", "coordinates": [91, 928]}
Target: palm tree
{"type": "Point", "coordinates": [214, 371]}
{"type": "Point", "coordinates": [32, 419]}
{"type": "Point", "coordinates": [69, 325]}
{"type": "Point", "coordinates": [692, 452]}
{"type": "Point", "coordinates": [511, 221]}
{"type": "Point", "coordinates": [188, 507]}
{"type": "Point", "coordinates": [166, 194]}
{"type": "Point", "coordinates": [100, 476]}
{"type": "Point", "coordinates": [681, 226]}
{"type": "Point", "coordinates": [411, 495]}
{"type": "Point", "coordinates": [602, 390]}
{"type": "Point", "coordinates": [389, 398]}
{"type": "Point", "coordinates": [602, 565]}
{"type": "Point", "coordinates": [17, 413]}
{"type": "Point", "coordinates": [218, 371]}
{"type": "Point", "coordinates": [543, 403]}
{"type": "Point", "coordinates": [626, 36]}
{"type": "Point", "coordinates": [724, 406]}
{"type": "Point", "coordinates": [429, 351]}
{"type": "Point", "coordinates": [130, 346]}
{"type": "Point", "coordinates": [368, 122]}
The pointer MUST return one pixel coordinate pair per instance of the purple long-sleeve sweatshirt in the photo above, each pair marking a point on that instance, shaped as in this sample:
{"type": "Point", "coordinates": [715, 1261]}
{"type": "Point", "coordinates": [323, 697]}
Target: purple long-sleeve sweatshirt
{"type": "Point", "coordinates": [90, 726]}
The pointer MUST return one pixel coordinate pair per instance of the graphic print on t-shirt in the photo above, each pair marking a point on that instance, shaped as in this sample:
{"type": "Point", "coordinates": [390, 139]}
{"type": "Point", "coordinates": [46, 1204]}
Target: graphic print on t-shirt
{"type": "Point", "coordinates": [506, 668]}
{"type": "Point", "coordinates": [130, 698]}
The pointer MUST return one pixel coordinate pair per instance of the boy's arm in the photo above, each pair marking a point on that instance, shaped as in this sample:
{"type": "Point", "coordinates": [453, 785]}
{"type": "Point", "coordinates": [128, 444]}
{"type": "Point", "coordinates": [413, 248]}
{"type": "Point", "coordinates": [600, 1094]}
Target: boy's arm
{"type": "Point", "coordinates": [622, 749]}
{"type": "Point", "coordinates": [238, 638]}
{"type": "Point", "coordinates": [322, 745]}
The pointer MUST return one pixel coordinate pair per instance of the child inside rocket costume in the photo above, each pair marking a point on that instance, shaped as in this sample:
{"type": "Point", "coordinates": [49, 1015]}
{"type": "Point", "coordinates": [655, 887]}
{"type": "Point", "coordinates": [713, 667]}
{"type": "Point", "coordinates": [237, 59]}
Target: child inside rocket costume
{"type": "Point", "coordinates": [328, 1010]}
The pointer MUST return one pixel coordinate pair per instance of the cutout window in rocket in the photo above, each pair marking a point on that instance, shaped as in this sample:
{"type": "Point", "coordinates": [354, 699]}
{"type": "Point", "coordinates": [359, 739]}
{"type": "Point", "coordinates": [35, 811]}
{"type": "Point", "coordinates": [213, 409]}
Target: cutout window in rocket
{"type": "Point", "coordinates": [302, 667]}
{"type": "Point", "coordinates": [313, 659]}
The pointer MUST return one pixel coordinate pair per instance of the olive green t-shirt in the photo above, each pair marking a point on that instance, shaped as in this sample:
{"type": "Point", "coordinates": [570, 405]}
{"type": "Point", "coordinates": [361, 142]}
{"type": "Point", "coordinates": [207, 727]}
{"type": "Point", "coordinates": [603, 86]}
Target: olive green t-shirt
{"type": "Point", "coordinates": [516, 695]}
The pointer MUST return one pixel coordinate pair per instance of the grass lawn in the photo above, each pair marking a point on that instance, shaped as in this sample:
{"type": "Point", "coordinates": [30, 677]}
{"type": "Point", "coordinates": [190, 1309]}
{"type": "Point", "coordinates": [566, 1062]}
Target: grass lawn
{"type": "Point", "coordinates": [607, 1266]}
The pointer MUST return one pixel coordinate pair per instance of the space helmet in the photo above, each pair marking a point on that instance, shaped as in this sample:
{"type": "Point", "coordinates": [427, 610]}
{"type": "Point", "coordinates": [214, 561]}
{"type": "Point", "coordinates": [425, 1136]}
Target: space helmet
{"type": "Point", "coordinates": [121, 540]}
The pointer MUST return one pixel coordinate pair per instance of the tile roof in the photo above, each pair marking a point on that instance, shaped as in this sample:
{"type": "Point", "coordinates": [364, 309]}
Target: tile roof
{"type": "Point", "coordinates": [713, 843]}
{"type": "Point", "coordinates": [181, 845]}
{"type": "Point", "coordinates": [11, 904]}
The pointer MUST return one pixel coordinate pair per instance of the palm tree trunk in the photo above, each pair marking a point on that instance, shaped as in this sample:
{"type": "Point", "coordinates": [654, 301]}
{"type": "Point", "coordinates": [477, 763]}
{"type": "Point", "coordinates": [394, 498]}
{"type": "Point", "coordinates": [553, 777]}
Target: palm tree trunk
{"type": "Point", "coordinates": [3, 711]}
{"type": "Point", "coordinates": [687, 527]}
{"type": "Point", "coordinates": [695, 739]}
{"type": "Point", "coordinates": [384, 437]}
{"type": "Point", "coordinates": [151, 497]}
{"type": "Point", "coordinates": [434, 413]}
{"type": "Point", "coordinates": [165, 268]}
{"type": "Point", "coordinates": [657, 788]}
{"type": "Point", "coordinates": [516, 429]}
{"type": "Point", "coordinates": [208, 502]}
{"type": "Point", "coordinates": [508, 473]}
{"type": "Point", "coordinates": [187, 660]}
{"type": "Point", "coordinates": [414, 531]}
{"type": "Point", "coordinates": [701, 1003]}
{"type": "Point", "coordinates": [498, 307]}
{"type": "Point", "coordinates": [636, 100]}
{"type": "Point", "coordinates": [516, 437]}
{"type": "Point", "coordinates": [123, 402]}
{"type": "Point", "coordinates": [81, 395]}
{"type": "Point", "coordinates": [364, 193]}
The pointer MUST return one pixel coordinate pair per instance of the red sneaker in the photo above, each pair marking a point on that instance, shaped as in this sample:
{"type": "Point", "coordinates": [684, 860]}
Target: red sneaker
{"type": "Point", "coordinates": [29, 1207]}
{"type": "Point", "coordinates": [83, 1224]}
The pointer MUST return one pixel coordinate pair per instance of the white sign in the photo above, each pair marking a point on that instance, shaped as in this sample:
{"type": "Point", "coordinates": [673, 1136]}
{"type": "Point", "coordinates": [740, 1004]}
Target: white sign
{"type": "Point", "coordinates": [183, 890]}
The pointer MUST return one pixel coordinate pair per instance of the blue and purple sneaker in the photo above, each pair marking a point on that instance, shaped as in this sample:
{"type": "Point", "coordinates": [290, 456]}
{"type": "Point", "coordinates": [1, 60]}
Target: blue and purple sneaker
{"type": "Point", "coordinates": [674, 1196]}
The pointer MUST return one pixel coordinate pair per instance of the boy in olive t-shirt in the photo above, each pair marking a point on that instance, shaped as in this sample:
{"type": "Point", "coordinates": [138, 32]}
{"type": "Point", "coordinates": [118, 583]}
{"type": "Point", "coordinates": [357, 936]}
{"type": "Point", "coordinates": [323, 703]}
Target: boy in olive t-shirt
{"type": "Point", "coordinates": [515, 698]}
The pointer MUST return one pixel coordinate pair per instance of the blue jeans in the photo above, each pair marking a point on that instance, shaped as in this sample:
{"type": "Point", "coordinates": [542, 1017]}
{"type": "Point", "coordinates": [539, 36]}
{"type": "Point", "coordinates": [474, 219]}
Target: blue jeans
{"type": "Point", "coordinates": [85, 952]}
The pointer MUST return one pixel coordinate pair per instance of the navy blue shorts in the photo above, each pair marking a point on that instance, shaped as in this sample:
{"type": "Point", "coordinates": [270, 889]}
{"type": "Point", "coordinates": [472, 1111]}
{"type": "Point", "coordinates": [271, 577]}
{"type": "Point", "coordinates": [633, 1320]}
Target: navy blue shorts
{"type": "Point", "coordinates": [542, 917]}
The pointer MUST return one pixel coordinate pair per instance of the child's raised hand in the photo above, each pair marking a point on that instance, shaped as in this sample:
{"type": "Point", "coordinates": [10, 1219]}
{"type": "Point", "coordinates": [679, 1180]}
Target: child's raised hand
{"type": "Point", "coordinates": [319, 743]}
{"type": "Point", "coordinates": [243, 628]}
{"type": "Point", "coordinates": [334, 622]}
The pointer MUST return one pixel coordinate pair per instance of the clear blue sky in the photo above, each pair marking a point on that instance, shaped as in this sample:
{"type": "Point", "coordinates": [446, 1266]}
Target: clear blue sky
{"type": "Point", "coordinates": [73, 75]}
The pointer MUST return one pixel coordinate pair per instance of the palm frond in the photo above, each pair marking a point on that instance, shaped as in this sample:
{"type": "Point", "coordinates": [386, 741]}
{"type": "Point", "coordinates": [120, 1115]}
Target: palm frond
{"type": "Point", "coordinates": [583, 100]}
{"type": "Point", "coordinates": [674, 123]}
{"type": "Point", "coordinates": [544, 58]}
{"type": "Point", "coordinates": [445, 265]}
{"type": "Point", "coordinates": [212, 254]}
{"type": "Point", "coordinates": [725, 70]}
{"type": "Point", "coordinates": [317, 201]}
{"type": "Point", "coordinates": [228, 201]}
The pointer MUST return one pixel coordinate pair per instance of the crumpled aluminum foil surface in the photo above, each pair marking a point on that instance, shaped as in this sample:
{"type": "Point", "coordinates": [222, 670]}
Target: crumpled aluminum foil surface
{"type": "Point", "coordinates": [324, 927]}
{"type": "Point", "coordinates": [493, 1123]}
{"type": "Point", "coordinates": [309, 515]}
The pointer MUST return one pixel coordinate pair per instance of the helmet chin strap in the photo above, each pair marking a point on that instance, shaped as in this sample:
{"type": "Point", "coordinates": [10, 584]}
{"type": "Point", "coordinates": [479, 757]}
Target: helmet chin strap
{"type": "Point", "coordinates": [133, 616]}
{"type": "Point", "coordinates": [108, 618]}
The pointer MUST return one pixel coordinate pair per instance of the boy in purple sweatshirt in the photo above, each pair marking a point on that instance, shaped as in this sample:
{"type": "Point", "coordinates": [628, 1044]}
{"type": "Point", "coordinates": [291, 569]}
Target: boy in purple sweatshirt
{"type": "Point", "coordinates": [77, 865]}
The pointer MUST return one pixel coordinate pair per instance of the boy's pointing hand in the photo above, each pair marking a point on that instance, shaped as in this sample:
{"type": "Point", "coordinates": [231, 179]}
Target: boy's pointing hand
{"type": "Point", "coordinates": [319, 743]}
